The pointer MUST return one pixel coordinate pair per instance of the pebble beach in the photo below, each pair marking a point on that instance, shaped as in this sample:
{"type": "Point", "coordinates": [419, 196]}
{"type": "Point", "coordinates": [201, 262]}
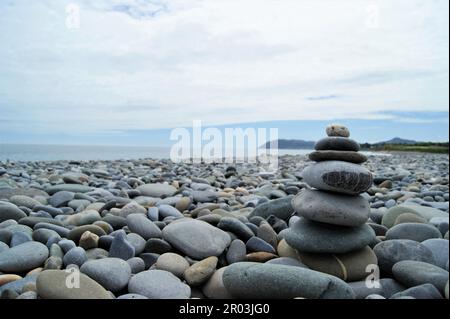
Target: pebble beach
{"type": "Point", "coordinates": [334, 224]}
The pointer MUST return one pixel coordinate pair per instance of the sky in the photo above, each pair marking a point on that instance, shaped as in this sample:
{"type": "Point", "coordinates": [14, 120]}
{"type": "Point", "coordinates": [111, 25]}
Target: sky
{"type": "Point", "coordinates": [125, 72]}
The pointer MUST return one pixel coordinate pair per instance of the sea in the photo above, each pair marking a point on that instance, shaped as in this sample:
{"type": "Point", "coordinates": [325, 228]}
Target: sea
{"type": "Point", "coordinates": [23, 152]}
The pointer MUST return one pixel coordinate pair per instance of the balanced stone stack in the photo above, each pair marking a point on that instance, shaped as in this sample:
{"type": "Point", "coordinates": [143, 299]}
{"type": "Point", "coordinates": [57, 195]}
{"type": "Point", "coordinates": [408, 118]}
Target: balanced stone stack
{"type": "Point", "coordinates": [331, 235]}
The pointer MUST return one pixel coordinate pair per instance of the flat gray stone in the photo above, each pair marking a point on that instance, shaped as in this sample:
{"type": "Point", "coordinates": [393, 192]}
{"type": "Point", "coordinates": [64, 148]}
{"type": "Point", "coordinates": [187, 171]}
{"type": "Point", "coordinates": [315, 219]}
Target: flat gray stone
{"type": "Point", "coordinates": [24, 257]}
{"type": "Point", "coordinates": [269, 281]}
{"type": "Point", "coordinates": [280, 208]}
{"type": "Point", "coordinates": [140, 224]}
{"type": "Point", "coordinates": [336, 143]}
{"type": "Point", "coordinates": [331, 208]}
{"type": "Point", "coordinates": [346, 156]}
{"type": "Point", "coordinates": [439, 249]}
{"type": "Point", "coordinates": [413, 231]}
{"type": "Point", "coordinates": [157, 190]}
{"type": "Point", "coordinates": [112, 273]}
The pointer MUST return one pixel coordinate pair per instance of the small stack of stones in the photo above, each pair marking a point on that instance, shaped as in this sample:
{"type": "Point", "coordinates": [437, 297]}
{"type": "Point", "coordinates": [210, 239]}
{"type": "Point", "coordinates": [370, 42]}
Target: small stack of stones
{"type": "Point", "coordinates": [331, 235]}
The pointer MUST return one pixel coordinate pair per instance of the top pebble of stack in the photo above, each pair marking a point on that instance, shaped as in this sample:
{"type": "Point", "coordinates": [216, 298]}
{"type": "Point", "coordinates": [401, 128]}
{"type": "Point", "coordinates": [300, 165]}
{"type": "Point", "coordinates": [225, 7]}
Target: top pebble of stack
{"type": "Point", "coordinates": [337, 130]}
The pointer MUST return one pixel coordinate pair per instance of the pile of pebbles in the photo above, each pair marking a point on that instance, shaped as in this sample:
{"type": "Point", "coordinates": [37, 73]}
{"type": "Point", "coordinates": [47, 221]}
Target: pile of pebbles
{"type": "Point", "coordinates": [146, 228]}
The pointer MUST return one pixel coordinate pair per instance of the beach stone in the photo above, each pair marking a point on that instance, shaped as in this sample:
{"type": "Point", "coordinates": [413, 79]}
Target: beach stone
{"type": "Point", "coordinates": [201, 271]}
{"type": "Point", "coordinates": [112, 273]}
{"type": "Point", "coordinates": [140, 224]}
{"type": "Point", "coordinates": [280, 208]}
{"type": "Point", "coordinates": [121, 247]}
{"type": "Point", "coordinates": [346, 156]}
{"type": "Point", "coordinates": [254, 280]}
{"type": "Point", "coordinates": [331, 208]}
{"type": "Point", "coordinates": [256, 244]}
{"type": "Point", "coordinates": [412, 273]}
{"type": "Point", "coordinates": [196, 239]}
{"type": "Point", "coordinates": [3, 246]}
{"type": "Point", "coordinates": [74, 188]}
{"type": "Point", "coordinates": [236, 251]}
{"type": "Point", "coordinates": [136, 264]}
{"type": "Point", "coordinates": [260, 256]}
{"type": "Point", "coordinates": [33, 221]}
{"type": "Point", "coordinates": [61, 198]}
{"type": "Point", "coordinates": [392, 251]}
{"type": "Point", "coordinates": [172, 263]}
{"type": "Point", "coordinates": [75, 256]}
{"type": "Point", "coordinates": [338, 176]}
{"type": "Point", "coordinates": [348, 267]}
{"type": "Point", "coordinates": [214, 287]}
{"type": "Point", "coordinates": [153, 214]}
{"type": "Point", "coordinates": [266, 232]}
{"type": "Point", "coordinates": [137, 242]}
{"type": "Point", "coordinates": [158, 246]}
{"type": "Point", "coordinates": [284, 250]}
{"type": "Point", "coordinates": [149, 259]}
{"type": "Point", "coordinates": [88, 240]}
{"type": "Point", "coordinates": [167, 210]}
{"type": "Point", "coordinates": [440, 223]}
{"type": "Point", "coordinates": [76, 233]}
{"type": "Point", "coordinates": [287, 261]}
{"type": "Point", "coordinates": [379, 230]}
{"type": "Point", "coordinates": [409, 218]}
{"type": "Point", "coordinates": [10, 211]}
{"type": "Point", "coordinates": [413, 231]}
{"type": "Point", "coordinates": [158, 284]}
{"type": "Point", "coordinates": [24, 257]}
{"type": "Point", "coordinates": [336, 143]}
{"type": "Point", "coordinates": [5, 279]}
{"type": "Point", "coordinates": [235, 226]}
{"type": "Point", "coordinates": [132, 208]}
{"type": "Point", "coordinates": [66, 245]}
{"type": "Point", "coordinates": [51, 284]}
{"type": "Point", "coordinates": [19, 238]}
{"type": "Point", "coordinates": [157, 190]}
{"type": "Point", "coordinates": [425, 291]}
{"type": "Point", "coordinates": [22, 200]}
{"type": "Point", "coordinates": [62, 231]}
{"type": "Point", "coordinates": [439, 248]}
{"type": "Point", "coordinates": [132, 296]}
{"type": "Point", "coordinates": [96, 253]}
{"type": "Point", "coordinates": [386, 184]}
{"type": "Point", "coordinates": [313, 237]}
{"type": "Point", "coordinates": [337, 130]}
{"type": "Point", "coordinates": [425, 212]}
{"type": "Point", "coordinates": [183, 204]}
{"type": "Point", "coordinates": [53, 262]}
{"type": "Point", "coordinates": [387, 288]}
{"type": "Point", "coordinates": [43, 235]}
{"type": "Point", "coordinates": [18, 285]}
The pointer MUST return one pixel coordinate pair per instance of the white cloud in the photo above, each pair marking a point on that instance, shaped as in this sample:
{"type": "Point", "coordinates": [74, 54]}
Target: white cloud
{"type": "Point", "coordinates": [153, 64]}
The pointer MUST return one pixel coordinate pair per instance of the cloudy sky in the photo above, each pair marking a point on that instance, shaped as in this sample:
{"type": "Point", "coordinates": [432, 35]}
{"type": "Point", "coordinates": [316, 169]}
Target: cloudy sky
{"type": "Point", "coordinates": [125, 71]}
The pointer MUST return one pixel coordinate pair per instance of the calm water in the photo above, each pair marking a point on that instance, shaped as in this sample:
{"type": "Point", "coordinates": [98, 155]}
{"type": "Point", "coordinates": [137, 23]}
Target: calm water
{"type": "Point", "coordinates": [18, 152]}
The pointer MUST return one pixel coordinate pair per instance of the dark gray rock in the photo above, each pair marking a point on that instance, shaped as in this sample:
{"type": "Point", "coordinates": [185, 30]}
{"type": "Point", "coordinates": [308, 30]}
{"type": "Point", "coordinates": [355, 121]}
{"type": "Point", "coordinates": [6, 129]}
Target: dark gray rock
{"type": "Point", "coordinates": [391, 252]}
{"type": "Point", "coordinates": [331, 208]}
{"type": "Point", "coordinates": [236, 252]}
{"type": "Point", "coordinates": [121, 247]}
{"type": "Point", "coordinates": [235, 226]}
{"type": "Point", "coordinates": [336, 143]}
{"type": "Point", "coordinates": [313, 237]}
{"type": "Point", "coordinates": [157, 246]}
{"type": "Point", "coordinates": [158, 284]}
{"type": "Point", "coordinates": [280, 208]}
{"type": "Point", "coordinates": [140, 224]}
{"type": "Point", "coordinates": [167, 210]}
{"type": "Point", "coordinates": [413, 231]}
{"type": "Point", "coordinates": [269, 281]}
{"type": "Point", "coordinates": [256, 244]}
{"type": "Point", "coordinates": [10, 211]}
{"type": "Point", "coordinates": [346, 156]}
{"type": "Point", "coordinates": [75, 256]}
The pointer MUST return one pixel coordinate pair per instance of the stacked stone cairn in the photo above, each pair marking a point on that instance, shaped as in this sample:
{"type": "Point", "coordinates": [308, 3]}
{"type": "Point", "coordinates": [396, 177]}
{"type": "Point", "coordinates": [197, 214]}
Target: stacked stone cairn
{"type": "Point", "coordinates": [331, 235]}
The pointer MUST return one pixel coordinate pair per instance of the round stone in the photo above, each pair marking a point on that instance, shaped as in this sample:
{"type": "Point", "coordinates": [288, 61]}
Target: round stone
{"type": "Point", "coordinates": [88, 240]}
{"type": "Point", "coordinates": [121, 247]}
{"type": "Point", "coordinates": [24, 257]}
{"type": "Point", "coordinates": [235, 226]}
{"type": "Point", "coordinates": [351, 266]}
{"type": "Point", "coordinates": [52, 284]}
{"type": "Point", "coordinates": [201, 271]}
{"type": "Point", "coordinates": [256, 244]}
{"type": "Point", "coordinates": [132, 208]}
{"type": "Point", "coordinates": [140, 224]}
{"type": "Point", "coordinates": [53, 262]}
{"type": "Point", "coordinates": [269, 281]}
{"type": "Point", "coordinates": [22, 200]}
{"type": "Point", "coordinates": [61, 198]}
{"type": "Point", "coordinates": [158, 284]}
{"type": "Point", "coordinates": [280, 208]}
{"type": "Point", "coordinates": [425, 291]}
{"type": "Point", "coordinates": [331, 208]}
{"type": "Point", "coordinates": [195, 238]}
{"type": "Point", "coordinates": [266, 232]}
{"type": "Point", "coordinates": [236, 252]}
{"type": "Point", "coordinates": [173, 263]}
{"type": "Point", "coordinates": [439, 249]}
{"type": "Point", "coordinates": [346, 156]}
{"type": "Point", "coordinates": [214, 287]}
{"type": "Point", "coordinates": [260, 257]}
{"type": "Point", "coordinates": [167, 210]}
{"type": "Point", "coordinates": [157, 190]}
{"type": "Point", "coordinates": [20, 238]}
{"type": "Point", "coordinates": [392, 251]}
{"type": "Point", "coordinates": [414, 273]}
{"type": "Point", "coordinates": [427, 213]}
{"type": "Point", "coordinates": [338, 176]}
{"type": "Point", "coordinates": [386, 288]}
{"type": "Point", "coordinates": [136, 264]}
{"type": "Point", "coordinates": [10, 211]}
{"type": "Point", "coordinates": [157, 246]}
{"type": "Point", "coordinates": [313, 237]}
{"type": "Point", "coordinates": [337, 143]}
{"type": "Point", "coordinates": [75, 256]}
{"type": "Point", "coordinates": [5, 279]}
{"type": "Point", "coordinates": [413, 231]}
{"type": "Point", "coordinates": [409, 218]}
{"type": "Point", "coordinates": [112, 273]}
{"type": "Point", "coordinates": [137, 242]}
{"type": "Point", "coordinates": [337, 130]}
